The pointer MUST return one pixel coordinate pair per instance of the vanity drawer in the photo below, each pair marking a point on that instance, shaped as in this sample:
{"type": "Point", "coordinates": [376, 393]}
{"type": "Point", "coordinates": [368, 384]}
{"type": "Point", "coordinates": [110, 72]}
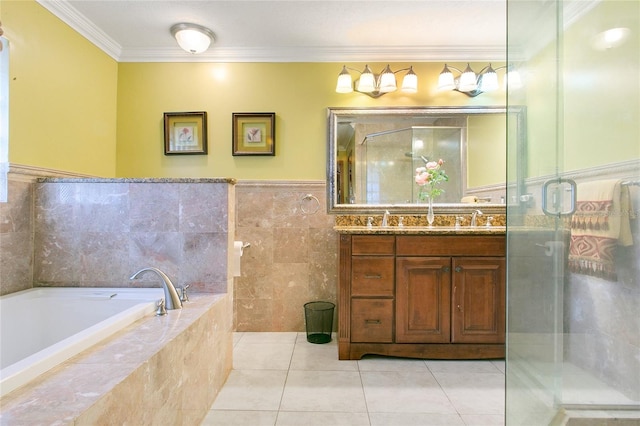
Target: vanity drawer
{"type": "Point", "coordinates": [448, 245]}
{"type": "Point", "coordinates": [373, 244]}
{"type": "Point", "coordinates": [372, 320]}
{"type": "Point", "coordinates": [372, 275]}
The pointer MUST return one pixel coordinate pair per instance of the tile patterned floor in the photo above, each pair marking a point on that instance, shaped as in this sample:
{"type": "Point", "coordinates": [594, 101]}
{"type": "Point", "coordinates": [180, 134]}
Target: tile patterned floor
{"type": "Point", "coordinates": [280, 379]}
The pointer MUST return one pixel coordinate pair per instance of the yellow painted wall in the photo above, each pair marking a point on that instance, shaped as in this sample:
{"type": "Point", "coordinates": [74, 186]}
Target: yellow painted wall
{"type": "Point", "coordinates": [487, 154]}
{"type": "Point", "coordinates": [62, 94]}
{"type": "Point", "coordinates": [602, 89]}
{"type": "Point", "coordinates": [595, 120]}
{"type": "Point", "coordinates": [299, 94]}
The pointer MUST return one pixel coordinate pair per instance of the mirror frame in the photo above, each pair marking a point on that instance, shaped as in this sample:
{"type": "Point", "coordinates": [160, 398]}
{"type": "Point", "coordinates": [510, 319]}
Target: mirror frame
{"type": "Point", "coordinates": [335, 114]}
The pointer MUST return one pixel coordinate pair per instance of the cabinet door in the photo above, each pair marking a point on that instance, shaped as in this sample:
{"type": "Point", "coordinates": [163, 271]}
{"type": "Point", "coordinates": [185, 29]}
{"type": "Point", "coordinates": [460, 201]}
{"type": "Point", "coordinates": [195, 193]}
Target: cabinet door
{"type": "Point", "coordinates": [478, 302]}
{"type": "Point", "coordinates": [423, 299]}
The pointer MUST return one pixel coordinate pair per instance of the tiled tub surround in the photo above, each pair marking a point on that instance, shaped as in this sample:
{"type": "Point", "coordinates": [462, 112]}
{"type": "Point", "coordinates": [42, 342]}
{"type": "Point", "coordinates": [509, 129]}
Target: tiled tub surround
{"type": "Point", "coordinates": [97, 232]}
{"type": "Point", "coordinates": [17, 226]}
{"type": "Point", "coordinates": [16, 237]}
{"type": "Point", "coordinates": [160, 370]}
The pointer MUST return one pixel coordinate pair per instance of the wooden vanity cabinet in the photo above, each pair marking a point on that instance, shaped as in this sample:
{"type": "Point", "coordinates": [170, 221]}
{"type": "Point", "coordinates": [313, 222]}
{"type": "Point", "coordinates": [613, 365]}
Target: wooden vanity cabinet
{"type": "Point", "coordinates": [422, 296]}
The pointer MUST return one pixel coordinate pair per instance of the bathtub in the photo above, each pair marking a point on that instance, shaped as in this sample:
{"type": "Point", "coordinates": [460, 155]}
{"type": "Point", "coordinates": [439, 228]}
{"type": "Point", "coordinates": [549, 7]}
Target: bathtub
{"type": "Point", "coordinates": [43, 327]}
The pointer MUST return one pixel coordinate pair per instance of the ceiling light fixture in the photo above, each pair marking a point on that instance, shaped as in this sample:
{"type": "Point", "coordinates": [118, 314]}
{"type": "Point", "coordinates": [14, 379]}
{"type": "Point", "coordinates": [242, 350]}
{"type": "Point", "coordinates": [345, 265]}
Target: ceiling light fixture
{"type": "Point", "coordinates": [192, 38]}
{"type": "Point", "coordinates": [472, 84]}
{"type": "Point", "coordinates": [376, 85]}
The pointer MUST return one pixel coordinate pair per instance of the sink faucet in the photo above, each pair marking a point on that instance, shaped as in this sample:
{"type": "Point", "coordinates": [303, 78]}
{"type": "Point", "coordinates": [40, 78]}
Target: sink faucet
{"type": "Point", "coordinates": [385, 218]}
{"type": "Point", "coordinates": [474, 215]}
{"type": "Point", "coordinates": [172, 300]}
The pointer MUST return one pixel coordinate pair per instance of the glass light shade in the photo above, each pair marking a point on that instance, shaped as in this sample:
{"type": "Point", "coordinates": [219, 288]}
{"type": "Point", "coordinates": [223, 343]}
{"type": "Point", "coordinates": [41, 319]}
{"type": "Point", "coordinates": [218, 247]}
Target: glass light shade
{"type": "Point", "coordinates": [467, 81]}
{"type": "Point", "coordinates": [192, 38]}
{"type": "Point", "coordinates": [610, 39]}
{"type": "Point", "coordinates": [367, 81]}
{"type": "Point", "coordinates": [445, 79]}
{"type": "Point", "coordinates": [489, 80]}
{"type": "Point", "coordinates": [410, 82]}
{"type": "Point", "coordinates": [387, 81]}
{"type": "Point", "coordinates": [512, 80]}
{"type": "Point", "coordinates": [345, 84]}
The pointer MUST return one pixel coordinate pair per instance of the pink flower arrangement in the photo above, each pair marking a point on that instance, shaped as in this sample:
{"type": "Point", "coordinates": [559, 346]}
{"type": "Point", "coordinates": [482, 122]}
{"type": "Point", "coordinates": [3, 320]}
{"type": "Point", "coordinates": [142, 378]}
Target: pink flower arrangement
{"type": "Point", "coordinates": [428, 177]}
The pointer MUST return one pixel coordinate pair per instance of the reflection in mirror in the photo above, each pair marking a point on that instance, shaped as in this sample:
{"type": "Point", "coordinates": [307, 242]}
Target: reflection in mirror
{"type": "Point", "coordinates": [374, 152]}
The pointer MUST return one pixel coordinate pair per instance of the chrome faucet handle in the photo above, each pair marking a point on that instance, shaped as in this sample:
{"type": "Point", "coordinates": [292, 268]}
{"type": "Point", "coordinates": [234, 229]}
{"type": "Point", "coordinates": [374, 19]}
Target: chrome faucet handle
{"type": "Point", "coordinates": [458, 221]}
{"type": "Point", "coordinates": [489, 219]}
{"type": "Point", "coordinates": [369, 222]}
{"type": "Point", "coordinates": [184, 297]}
{"type": "Point", "coordinates": [161, 309]}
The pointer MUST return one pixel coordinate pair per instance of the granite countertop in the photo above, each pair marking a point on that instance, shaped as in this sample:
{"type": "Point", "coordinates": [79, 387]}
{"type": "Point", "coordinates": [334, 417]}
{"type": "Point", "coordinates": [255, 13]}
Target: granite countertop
{"type": "Point", "coordinates": [137, 180]}
{"type": "Point", "coordinates": [421, 230]}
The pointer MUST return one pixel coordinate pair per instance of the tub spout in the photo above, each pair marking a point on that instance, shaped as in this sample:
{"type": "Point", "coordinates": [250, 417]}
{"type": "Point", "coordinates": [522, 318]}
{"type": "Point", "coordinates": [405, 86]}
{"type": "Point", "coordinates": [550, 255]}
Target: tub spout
{"type": "Point", "coordinates": [172, 300]}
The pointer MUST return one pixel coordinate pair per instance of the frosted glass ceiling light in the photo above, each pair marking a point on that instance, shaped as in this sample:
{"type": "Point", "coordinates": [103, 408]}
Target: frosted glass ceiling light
{"type": "Point", "coordinates": [472, 84]}
{"type": "Point", "coordinates": [376, 85]}
{"type": "Point", "coordinates": [610, 39]}
{"type": "Point", "coordinates": [192, 38]}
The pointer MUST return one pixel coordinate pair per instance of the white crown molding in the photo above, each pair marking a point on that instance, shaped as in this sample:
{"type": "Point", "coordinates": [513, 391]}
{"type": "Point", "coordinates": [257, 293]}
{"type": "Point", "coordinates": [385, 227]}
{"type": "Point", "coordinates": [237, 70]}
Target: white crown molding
{"type": "Point", "coordinates": [70, 16]}
{"type": "Point", "coordinates": [321, 54]}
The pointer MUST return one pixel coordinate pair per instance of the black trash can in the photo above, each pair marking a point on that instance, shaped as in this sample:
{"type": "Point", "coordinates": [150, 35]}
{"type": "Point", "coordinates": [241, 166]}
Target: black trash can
{"type": "Point", "coordinates": [319, 320]}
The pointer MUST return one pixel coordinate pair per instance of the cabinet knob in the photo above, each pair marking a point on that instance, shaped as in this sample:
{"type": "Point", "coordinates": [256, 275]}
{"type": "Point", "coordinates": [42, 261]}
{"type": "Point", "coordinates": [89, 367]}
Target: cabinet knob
{"type": "Point", "coordinates": [458, 268]}
{"type": "Point", "coordinates": [446, 269]}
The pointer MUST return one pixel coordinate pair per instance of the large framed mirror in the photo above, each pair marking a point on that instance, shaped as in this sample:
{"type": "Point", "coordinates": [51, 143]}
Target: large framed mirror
{"type": "Point", "coordinates": [373, 154]}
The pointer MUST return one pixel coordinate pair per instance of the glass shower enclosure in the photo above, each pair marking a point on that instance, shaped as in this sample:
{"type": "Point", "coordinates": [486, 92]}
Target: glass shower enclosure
{"type": "Point", "coordinates": [573, 234]}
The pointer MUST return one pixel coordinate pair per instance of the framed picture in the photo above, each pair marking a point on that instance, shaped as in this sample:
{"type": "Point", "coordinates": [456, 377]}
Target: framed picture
{"type": "Point", "coordinates": [254, 133]}
{"type": "Point", "coordinates": [185, 133]}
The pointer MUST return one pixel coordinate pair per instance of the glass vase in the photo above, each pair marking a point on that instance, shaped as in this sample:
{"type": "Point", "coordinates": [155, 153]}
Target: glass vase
{"type": "Point", "coordinates": [430, 214]}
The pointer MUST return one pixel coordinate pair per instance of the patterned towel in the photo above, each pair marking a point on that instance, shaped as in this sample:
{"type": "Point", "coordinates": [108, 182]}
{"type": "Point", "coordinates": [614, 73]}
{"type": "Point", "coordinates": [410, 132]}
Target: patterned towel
{"type": "Point", "coordinates": [600, 223]}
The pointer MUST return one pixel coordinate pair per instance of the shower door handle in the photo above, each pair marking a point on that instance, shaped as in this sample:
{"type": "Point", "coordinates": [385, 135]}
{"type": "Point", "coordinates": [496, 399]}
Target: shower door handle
{"type": "Point", "coordinates": [554, 194]}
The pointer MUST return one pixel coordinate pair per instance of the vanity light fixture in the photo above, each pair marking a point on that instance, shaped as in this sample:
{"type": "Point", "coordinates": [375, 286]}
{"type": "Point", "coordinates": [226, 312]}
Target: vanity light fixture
{"type": "Point", "coordinates": [472, 84]}
{"type": "Point", "coordinates": [192, 38]}
{"type": "Point", "coordinates": [376, 85]}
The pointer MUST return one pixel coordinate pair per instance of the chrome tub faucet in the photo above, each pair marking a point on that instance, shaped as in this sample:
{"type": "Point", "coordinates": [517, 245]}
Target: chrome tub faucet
{"type": "Point", "coordinates": [171, 297]}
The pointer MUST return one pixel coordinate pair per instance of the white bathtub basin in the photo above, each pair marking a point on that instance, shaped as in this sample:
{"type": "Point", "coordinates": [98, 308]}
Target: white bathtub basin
{"type": "Point", "coordinates": [42, 327]}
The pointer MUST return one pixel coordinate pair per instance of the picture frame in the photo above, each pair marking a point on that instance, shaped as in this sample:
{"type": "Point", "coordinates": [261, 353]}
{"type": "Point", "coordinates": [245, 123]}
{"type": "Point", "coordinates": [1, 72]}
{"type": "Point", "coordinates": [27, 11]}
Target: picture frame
{"type": "Point", "coordinates": [185, 133]}
{"type": "Point", "coordinates": [254, 133]}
